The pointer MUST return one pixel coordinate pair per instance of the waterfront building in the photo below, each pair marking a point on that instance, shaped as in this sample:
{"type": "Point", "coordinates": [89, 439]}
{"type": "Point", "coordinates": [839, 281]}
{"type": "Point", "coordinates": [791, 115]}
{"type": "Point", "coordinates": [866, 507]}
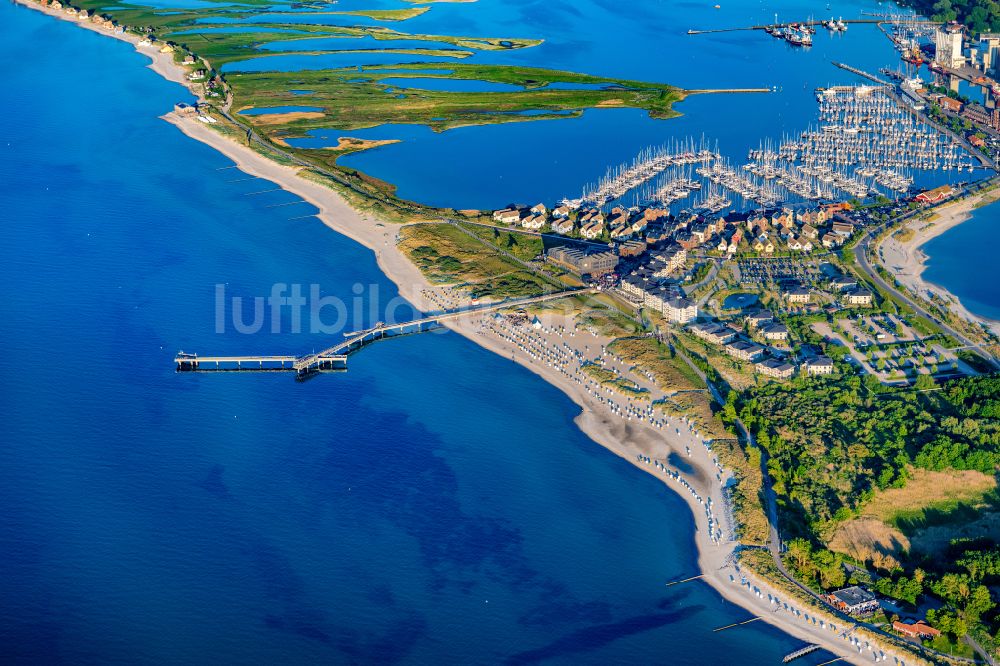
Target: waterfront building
{"type": "Point", "coordinates": [936, 195]}
{"type": "Point", "coordinates": [561, 212]}
{"type": "Point", "coordinates": [775, 368]}
{"type": "Point", "coordinates": [913, 90]}
{"type": "Point", "coordinates": [820, 365]}
{"type": "Point", "coordinates": [783, 217]}
{"type": "Point", "coordinates": [539, 209]}
{"type": "Point", "coordinates": [948, 46]}
{"type": "Point", "coordinates": [948, 103]}
{"type": "Point", "coordinates": [635, 285]}
{"type": "Point", "coordinates": [583, 262]}
{"type": "Point", "coordinates": [853, 601]}
{"type": "Point", "coordinates": [977, 114]}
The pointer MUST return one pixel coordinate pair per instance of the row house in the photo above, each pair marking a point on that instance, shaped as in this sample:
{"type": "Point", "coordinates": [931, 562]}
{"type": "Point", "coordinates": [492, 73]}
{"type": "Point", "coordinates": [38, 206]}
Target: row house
{"type": "Point", "coordinates": [563, 226]}
{"type": "Point", "coordinates": [832, 240]}
{"type": "Point", "coordinates": [561, 213]}
{"type": "Point", "coordinates": [763, 244]}
{"type": "Point", "coordinates": [800, 245]}
{"type": "Point", "coordinates": [814, 218]}
{"type": "Point", "coordinates": [507, 216]}
{"type": "Point", "coordinates": [591, 216]}
{"type": "Point", "coordinates": [592, 230]}
{"type": "Point", "coordinates": [783, 218]}
{"type": "Point", "coordinates": [533, 222]}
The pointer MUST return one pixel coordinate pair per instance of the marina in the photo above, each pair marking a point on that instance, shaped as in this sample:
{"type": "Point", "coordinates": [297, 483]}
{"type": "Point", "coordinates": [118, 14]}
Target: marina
{"type": "Point", "coordinates": [620, 180]}
{"type": "Point", "coordinates": [864, 143]}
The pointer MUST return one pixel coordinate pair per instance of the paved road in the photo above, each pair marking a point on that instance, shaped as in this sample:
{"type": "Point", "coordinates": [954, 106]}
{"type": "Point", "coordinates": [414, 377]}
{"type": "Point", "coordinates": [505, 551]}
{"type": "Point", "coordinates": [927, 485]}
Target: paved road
{"type": "Point", "coordinates": [864, 248]}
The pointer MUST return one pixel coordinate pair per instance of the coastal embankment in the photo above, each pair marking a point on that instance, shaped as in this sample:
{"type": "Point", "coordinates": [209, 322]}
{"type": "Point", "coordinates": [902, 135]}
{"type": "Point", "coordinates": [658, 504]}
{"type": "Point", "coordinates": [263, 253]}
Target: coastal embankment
{"type": "Point", "coordinates": [901, 253]}
{"type": "Point", "coordinates": [680, 450]}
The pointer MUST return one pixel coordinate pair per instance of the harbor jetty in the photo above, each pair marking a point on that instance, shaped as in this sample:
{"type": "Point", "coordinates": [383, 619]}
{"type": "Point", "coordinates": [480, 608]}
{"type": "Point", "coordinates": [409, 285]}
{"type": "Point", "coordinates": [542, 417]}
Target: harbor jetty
{"type": "Point", "coordinates": [795, 24]}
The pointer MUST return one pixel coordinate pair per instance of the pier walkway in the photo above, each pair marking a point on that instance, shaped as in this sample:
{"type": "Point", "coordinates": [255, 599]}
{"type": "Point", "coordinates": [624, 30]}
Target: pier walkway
{"type": "Point", "coordinates": [861, 73]}
{"type": "Point", "coordinates": [334, 357]}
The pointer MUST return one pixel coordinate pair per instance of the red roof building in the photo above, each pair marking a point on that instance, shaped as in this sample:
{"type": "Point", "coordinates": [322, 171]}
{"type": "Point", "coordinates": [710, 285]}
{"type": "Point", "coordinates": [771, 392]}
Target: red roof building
{"type": "Point", "coordinates": [919, 629]}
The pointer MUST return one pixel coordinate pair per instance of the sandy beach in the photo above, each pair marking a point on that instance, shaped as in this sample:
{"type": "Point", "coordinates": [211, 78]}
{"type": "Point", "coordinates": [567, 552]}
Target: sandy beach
{"type": "Point", "coordinates": [907, 261]}
{"type": "Point", "coordinates": [620, 424]}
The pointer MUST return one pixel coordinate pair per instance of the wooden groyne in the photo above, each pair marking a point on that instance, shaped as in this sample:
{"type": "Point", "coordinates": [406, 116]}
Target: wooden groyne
{"type": "Point", "coordinates": [801, 652]}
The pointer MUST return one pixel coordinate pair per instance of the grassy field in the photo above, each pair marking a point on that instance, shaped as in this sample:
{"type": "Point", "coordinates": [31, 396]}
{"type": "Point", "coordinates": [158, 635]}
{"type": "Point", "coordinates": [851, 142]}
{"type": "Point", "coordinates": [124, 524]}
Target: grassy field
{"type": "Point", "coordinates": [446, 255]}
{"type": "Point", "coordinates": [612, 380]}
{"type": "Point", "coordinates": [353, 100]}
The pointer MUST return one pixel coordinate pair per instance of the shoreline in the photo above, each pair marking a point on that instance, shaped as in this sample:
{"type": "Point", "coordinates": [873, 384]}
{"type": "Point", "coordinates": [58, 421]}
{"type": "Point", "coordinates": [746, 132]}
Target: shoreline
{"type": "Point", "coordinates": [600, 423]}
{"type": "Point", "coordinates": [907, 262]}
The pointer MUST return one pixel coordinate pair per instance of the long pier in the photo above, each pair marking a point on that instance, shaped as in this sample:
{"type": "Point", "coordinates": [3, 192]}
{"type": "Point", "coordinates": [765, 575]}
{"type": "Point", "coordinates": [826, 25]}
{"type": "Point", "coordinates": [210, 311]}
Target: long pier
{"type": "Point", "coordinates": [334, 358]}
{"type": "Point", "coordinates": [862, 73]}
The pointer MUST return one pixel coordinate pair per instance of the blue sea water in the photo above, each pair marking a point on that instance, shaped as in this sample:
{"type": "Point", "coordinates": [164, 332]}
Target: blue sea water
{"type": "Point", "coordinates": [969, 244]}
{"type": "Point", "coordinates": [403, 512]}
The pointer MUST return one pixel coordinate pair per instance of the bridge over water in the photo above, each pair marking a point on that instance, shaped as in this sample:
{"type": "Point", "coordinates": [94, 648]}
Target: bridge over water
{"type": "Point", "coordinates": [334, 358]}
